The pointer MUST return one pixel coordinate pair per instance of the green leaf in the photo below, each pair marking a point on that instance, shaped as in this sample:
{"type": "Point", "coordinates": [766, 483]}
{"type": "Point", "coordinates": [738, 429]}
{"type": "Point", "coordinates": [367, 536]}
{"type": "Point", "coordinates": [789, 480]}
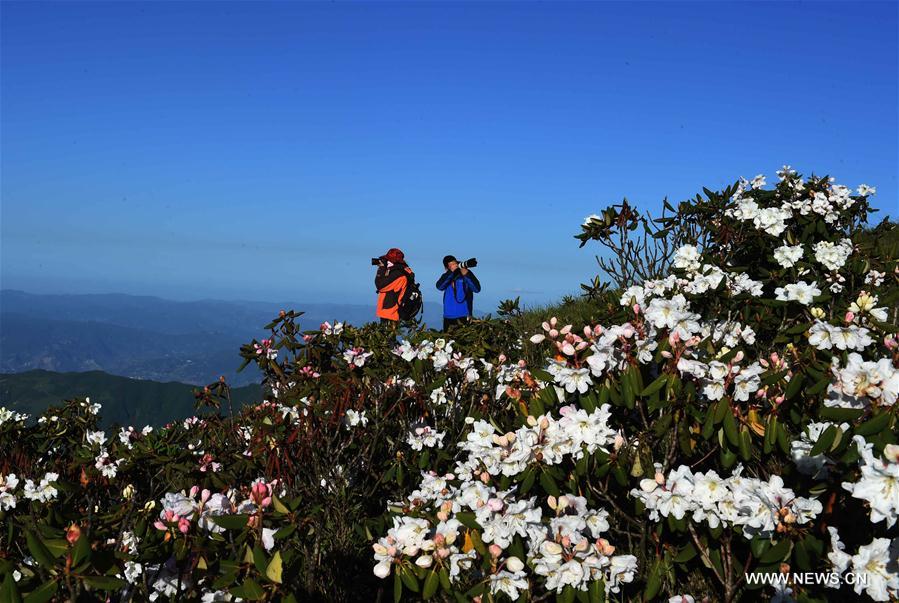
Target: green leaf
{"type": "Point", "coordinates": [824, 441]}
{"type": "Point", "coordinates": [770, 434]}
{"type": "Point", "coordinates": [432, 582]}
{"type": "Point", "coordinates": [104, 582]}
{"type": "Point", "coordinates": [279, 506]}
{"type": "Point", "coordinates": [548, 483]}
{"type": "Point", "coordinates": [597, 591]}
{"type": "Point", "coordinates": [840, 414]}
{"type": "Point", "coordinates": [249, 590]}
{"type": "Point", "coordinates": [721, 409]}
{"type": "Point", "coordinates": [567, 595]}
{"type": "Point", "coordinates": [82, 551]}
{"type": "Point", "coordinates": [745, 444]}
{"type": "Point", "coordinates": [9, 592]}
{"type": "Point", "coordinates": [444, 580]}
{"type": "Point", "coordinates": [874, 426]}
{"type": "Point", "coordinates": [730, 429]}
{"type": "Point", "coordinates": [656, 385]}
{"type": "Point", "coordinates": [409, 579]}
{"type": "Point", "coordinates": [528, 482]}
{"type": "Point", "coordinates": [274, 569]}
{"type": "Point", "coordinates": [467, 519]}
{"type": "Point", "coordinates": [231, 522]}
{"type": "Point", "coordinates": [38, 550]}
{"type": "Point", "coordinates": [661, 426]}
{"type": "Point", "coordinates": [259, 559]}
{"type": "Point", "coordinates": [627, 390]}
{"type": "Point", "coordinates": [56, 546]}
{"type": "Point", "coordinates": [686, 553]}
{"type": "Point", "coordinates": [397, 587]}
{"type": "Point", "coordinates": [778, 552]}
{"type": "Point", "coordinates": [654, 583]}
{"type": "Point", "coordinates": [793, 386]}
{"type": "Point", "coordinates": [43, 593]}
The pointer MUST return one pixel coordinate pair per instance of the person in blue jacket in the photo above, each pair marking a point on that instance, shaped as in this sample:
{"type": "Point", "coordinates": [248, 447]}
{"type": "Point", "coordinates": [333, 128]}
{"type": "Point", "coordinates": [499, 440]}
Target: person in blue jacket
{"type": "Point", "coordinates": [459, 284]}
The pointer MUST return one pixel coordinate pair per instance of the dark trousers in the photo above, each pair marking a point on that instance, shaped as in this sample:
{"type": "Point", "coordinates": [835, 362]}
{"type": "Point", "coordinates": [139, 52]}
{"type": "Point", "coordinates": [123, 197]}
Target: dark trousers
{"type": "Point", "coordinates": [450, 322]}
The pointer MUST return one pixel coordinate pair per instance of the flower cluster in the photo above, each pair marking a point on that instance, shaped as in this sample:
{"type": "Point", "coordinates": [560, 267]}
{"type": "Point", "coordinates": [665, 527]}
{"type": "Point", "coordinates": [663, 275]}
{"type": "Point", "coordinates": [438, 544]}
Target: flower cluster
{"type": "Point", "coordinates": [876, 561]}
{"type": "Point", "coordinates": [422, 436]}
{"type": "Point", "coordinates": [879, 483]}
{"type": "Point", "coordinates": [356, 356]}
{"type": "Point", "coordinates": [760, 508]}
{"type": "Point", "coordinates": [862, 383]}
{"type": "Point", "coordinates": [543, 439]}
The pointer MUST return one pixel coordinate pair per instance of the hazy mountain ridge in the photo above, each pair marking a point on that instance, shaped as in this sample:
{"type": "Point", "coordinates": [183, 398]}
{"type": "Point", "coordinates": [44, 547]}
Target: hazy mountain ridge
{"type": "Point", "coordinates": [125, 401]}
{"type": "Point", "coordinates": [148, 337]}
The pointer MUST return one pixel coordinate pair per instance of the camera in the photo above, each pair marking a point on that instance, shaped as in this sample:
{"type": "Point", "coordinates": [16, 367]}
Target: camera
{"type": "Point", "coordinates": [469, 263]}
{"type": "Point", "coordinates": [377, 261]}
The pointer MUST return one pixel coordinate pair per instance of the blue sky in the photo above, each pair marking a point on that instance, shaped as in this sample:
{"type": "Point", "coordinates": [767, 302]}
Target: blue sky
{"type": "Point", "coordinates": [267, 150]}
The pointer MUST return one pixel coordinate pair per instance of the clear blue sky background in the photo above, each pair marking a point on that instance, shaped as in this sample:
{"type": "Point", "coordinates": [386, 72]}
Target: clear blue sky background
{"type": "Point", "coordinates": [268, 150]}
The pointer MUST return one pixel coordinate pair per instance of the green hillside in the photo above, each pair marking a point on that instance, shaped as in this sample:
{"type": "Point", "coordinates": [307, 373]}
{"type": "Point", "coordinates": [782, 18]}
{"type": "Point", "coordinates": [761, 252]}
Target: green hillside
{"type": "Point", "coordinates": [125, 401]}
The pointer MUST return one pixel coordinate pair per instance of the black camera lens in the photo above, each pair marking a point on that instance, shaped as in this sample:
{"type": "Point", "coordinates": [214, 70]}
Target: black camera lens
{"type": "Point", "coordinates": [470, 263]}
{"type": "Point", "coordinates": [375, 261]}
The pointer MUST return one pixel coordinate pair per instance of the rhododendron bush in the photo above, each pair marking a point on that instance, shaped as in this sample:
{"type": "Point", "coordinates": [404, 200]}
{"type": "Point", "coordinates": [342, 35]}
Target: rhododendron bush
{"type": "Point", "coordinates": [731, 415]}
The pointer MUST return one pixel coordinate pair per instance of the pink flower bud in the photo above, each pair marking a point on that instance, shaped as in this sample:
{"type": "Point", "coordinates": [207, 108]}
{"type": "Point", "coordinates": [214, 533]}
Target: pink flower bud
{"type": "Point", "coordinates": [495, 550]}
{"type": "Point", "coordinates": [636, 308]}
{"type": "Point", "coordinates": [553, 321]}
{"type": "Point", "coordinates": [495, 505]}
{"type": "Point", "coordinates": [588, 332]}
{"type": "Point", "coordinates": [553, 333]}
{"type": "Point", "coordinates": [850, 316]}
{"type": "Point", "coordinates": [205, 494]}
{"type": "Point", "coordinates": [194, 490]}
{"type": "Point", "coordinates": [159, 525]}
{"type": "Point", "coordinates": [183, 525]}
{"type": "Point", "coordinates": [660, 478]}
{"type": "Point", "coordinates": [502, 358]}
{"type": "Point", "coordinates": [738, 357]}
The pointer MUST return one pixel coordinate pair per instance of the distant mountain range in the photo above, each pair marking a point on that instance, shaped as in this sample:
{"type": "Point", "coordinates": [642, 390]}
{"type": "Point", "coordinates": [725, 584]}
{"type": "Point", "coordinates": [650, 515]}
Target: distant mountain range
{"type": "Point", "coordinates": [125, 401]}
{"type": "Point", "coordinates": [149, 338]}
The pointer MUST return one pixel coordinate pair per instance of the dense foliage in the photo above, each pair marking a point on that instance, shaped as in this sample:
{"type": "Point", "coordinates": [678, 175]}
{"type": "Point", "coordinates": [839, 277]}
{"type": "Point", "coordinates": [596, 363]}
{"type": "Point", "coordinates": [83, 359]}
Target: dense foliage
{"type": "Point", "coordinates": [730, 416]}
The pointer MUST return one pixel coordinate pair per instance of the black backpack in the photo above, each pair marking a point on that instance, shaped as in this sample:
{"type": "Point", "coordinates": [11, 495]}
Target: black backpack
{"type": "Point", "coordinates": [411, 303]}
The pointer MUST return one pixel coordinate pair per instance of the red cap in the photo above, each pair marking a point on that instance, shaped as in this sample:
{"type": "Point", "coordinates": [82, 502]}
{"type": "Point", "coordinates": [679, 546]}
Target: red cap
{"type": "Point", "coordinates": [395, 255]}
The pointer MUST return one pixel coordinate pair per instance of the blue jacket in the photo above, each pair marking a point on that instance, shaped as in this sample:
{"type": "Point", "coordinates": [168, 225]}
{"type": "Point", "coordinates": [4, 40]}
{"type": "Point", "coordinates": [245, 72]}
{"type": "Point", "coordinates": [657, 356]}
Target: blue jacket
{"type": "Point", "coordinates": [458, 293]}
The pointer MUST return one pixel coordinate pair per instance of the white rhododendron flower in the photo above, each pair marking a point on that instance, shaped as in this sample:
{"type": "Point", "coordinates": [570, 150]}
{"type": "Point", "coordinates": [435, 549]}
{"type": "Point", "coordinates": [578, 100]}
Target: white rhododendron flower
{"type": "Point", "coordinates": [801, 292]}
{"type": "Point", "coordinates": [423, 436]}
{"type": "Point", "coordinates": [788, 255]}
{"type": "Point", "coordinates": [879, 483]}
{"type": "Point", "coordinates": [44, 491]}
{"type": "Point", "coordinates": [833, 255]}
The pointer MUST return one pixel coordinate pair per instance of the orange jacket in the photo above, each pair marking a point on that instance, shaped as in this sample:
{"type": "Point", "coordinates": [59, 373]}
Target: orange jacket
{"type": "Point", "coordinates": [391, 289]}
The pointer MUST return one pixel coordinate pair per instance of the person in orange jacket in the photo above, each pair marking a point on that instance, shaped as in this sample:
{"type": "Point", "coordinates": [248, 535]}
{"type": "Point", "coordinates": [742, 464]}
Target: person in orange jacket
{"type": "Point", "coordinates": [391, 281]}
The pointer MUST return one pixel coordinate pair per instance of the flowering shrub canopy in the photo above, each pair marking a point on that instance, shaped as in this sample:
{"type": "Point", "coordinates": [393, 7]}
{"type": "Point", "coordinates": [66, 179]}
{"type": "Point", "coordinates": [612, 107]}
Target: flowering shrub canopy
{"type": "Point", "coordinates": [732, 418]}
